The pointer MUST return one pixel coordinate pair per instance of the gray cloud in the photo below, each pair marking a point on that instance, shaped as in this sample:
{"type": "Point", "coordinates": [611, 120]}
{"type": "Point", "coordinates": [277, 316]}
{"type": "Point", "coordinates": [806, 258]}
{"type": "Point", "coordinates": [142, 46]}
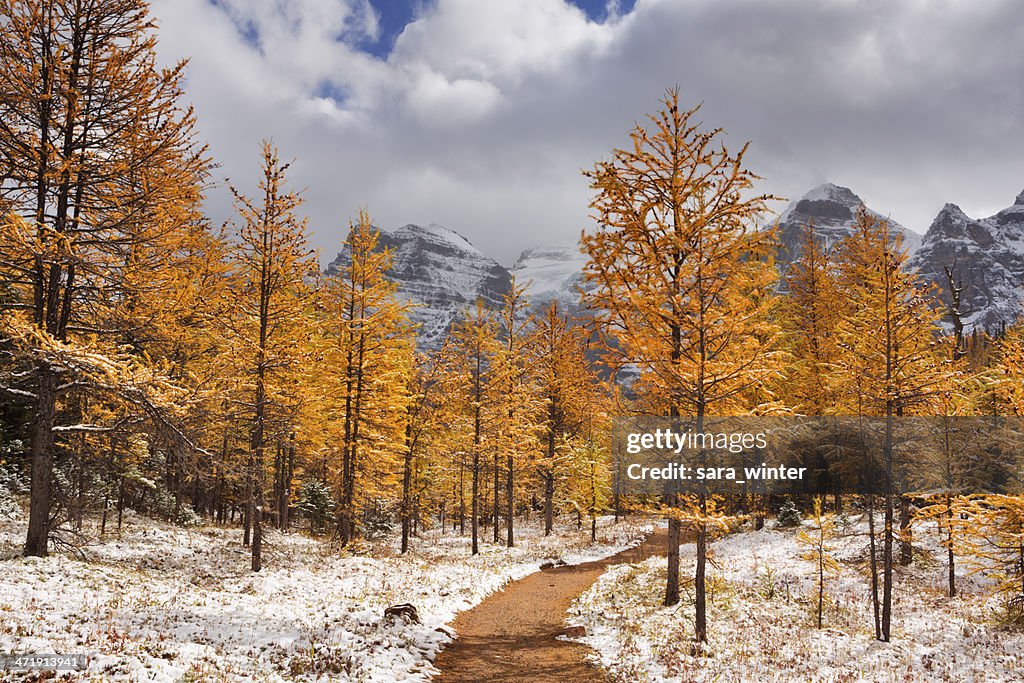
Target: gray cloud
{"type": "Point", "coordinates": [486, 111]}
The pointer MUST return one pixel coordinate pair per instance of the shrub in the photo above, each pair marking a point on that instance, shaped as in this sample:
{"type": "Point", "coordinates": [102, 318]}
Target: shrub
{"type": "Point", "coordinates": [789, 515]}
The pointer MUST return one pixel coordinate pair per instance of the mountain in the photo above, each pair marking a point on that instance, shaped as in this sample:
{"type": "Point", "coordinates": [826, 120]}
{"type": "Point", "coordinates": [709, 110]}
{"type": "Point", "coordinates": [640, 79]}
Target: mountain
{"type": "Point", "coordinates": [441, 272]}
{"type": "Point", "coordinates": [987, 256]}
{"type": "Point", "coordinates": [553, 272]}
{"type": "Point", "coordinates": [831, 209]}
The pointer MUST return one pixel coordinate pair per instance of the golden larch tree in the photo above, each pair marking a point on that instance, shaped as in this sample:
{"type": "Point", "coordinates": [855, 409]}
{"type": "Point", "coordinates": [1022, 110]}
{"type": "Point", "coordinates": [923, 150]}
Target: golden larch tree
{"type": "Point", "coordinates": [471, 387]}
{"type": "Point", "coordinates": [680, 273]}
{"type": "Point", "coordinates": [93, 143]}
{"type": "Point", "coordinates": [371, 356]}
{"type": "Point", "coordinates": [889, 366]}
{"type": "Point", "coordinates": [267, 323]}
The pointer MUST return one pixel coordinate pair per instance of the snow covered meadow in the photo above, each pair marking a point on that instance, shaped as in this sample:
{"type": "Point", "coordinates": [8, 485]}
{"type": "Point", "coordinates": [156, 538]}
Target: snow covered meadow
{"type": "Point", "coordinates": [164, 603]}
{"type": "Point", "coordinates": [762, 600]}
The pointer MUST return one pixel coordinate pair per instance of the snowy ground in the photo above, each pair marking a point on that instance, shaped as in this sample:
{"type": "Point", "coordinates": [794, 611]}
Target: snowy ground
{"type": "Point", "coordinates": [761, 615]}
{"type": "Point", "coordinates": [162, 603]}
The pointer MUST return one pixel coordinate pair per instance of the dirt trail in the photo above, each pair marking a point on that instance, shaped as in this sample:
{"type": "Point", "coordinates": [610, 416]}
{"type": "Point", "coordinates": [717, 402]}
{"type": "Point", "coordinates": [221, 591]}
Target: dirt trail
{"type": "Point", "coordinates": [511, 635]}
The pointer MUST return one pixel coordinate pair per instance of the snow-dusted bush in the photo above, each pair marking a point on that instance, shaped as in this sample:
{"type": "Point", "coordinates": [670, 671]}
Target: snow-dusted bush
{"type": "Point", "coordinates": [11, 482]}
{"type": "Point", "coordinates": [315, 501]}
{"type": "Point", "coordinates": [789, 515]}
{"type": "Point", "coordinates": [163, 505]}
{"type": "Point", "coordinates": [377, 520]}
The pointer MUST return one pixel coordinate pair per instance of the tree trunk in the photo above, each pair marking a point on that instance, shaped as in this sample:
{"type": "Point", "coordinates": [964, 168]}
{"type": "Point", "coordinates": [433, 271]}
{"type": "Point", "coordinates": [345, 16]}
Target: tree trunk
{"type": "Point", "coordinates": [887, 568]}
{"type": "Point", "coordinates": [407, 488]}
{"type": "Point", "coordinates": [80, 479]}
{"type": "Point", "coordinates": [700, 621]}
{"type": "Point", "coordinates": [120, 503]}
{"type": "Point", "coordinates": [286, 501]}
{"type": "Point", "coordinates": [821, 580]}
{"type": "Point", "coordinates": [475, 521]}
{"type": "Point", "coordinates": [873, 554]}
{"type": "Point", "coordinates": [497, 504]}
{"type": "Point", "coordinates": [42, 465]}
{"type": "Point", "coordinates": [509, 495]}
{"type": "Point", "coordinates": [462, 494]}
{"type": "Point", "coordinates": [549, 469]}
{"type": "Point", "coordinates": [247, 512]}
{"type": "Point", "coordinates": [906, 547]}
{"type": "Point", "coordinates": [950, 556]}
{"type": "Point", "coordinates": [257, 530]}
{"type": "Point", "coordinates": [672, 584]}
{"type": "Point", "coordinates": [887, 557]}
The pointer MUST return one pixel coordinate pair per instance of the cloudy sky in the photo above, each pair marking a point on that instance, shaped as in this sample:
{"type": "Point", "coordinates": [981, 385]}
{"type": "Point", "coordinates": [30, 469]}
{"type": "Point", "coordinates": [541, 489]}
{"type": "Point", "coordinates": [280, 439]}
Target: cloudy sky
{"type": "Point", "coordinates": [480, 114]}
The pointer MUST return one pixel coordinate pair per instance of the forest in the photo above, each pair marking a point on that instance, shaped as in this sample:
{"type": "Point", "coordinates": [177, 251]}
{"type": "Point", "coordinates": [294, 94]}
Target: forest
{"type": "Point", "coordinates": [165, 378]}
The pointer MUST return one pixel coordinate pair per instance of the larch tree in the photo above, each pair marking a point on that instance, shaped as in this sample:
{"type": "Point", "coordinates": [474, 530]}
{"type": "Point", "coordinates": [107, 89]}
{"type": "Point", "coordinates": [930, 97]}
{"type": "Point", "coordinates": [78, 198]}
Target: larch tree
{"type": "Point", "coordinates": [371, 357]}
{"type": "Point", "coordinates": [588, 458]}
{"type": "Point", "coordinates": [268, 303]}
{"type": "Point", "coordinates": [997, 544]}
{"type": "Point", "coordinates": [564, 379]}
{"type": "Point", "coordinates": [679, 270]}
{"type": "Point", "coordinates": [471, 373]}
{"type": "Point", "coordinates": [516, 414]}
{"type": "Point", "coordinates": [421, 412]}
{"type": "Point", "coordinates": [956, 459]}
{"type": "Point", "coordinates": [817, 540]}
{"type": "Point", "coordinates": [889, 366]}
{"type": "Point", "coordinates": [809, 316]}
{"type": "Point", "coordinates": [93, 141]}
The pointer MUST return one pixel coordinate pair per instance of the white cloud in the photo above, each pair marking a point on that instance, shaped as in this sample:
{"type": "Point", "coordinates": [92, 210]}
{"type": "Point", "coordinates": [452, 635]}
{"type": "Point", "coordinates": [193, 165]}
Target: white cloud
{"type": "Point", "coordinates": [498, 41]}
{"type": "Point", "coordinates": [486, 110]}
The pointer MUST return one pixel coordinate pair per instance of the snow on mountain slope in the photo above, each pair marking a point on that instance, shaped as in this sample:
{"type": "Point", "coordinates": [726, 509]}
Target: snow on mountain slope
{"type": "Point", "coordinates": [442, 273]}
{"type": "Point", "coordinates": [553, 272]}
{"type": "Point", "coordinates": [987, 256]}
{"type": "Point", "coordinates": [831, 209]}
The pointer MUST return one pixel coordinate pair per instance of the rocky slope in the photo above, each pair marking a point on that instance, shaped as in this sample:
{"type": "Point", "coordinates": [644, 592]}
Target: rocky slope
{"type": "Point", "coordinates": [987, 256]}
{"type": "Point", "coordinates": [442, 273]}
{"type": "Point", "coordinates": [553, 272]}
{"type": "Point", "coordinates": [831, 209]}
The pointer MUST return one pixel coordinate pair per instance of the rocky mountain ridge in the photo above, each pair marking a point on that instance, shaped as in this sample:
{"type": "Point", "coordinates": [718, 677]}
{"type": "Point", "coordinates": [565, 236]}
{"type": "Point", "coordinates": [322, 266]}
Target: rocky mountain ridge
{"type": "Point", "coordinates": [441, 271]}
{"type": "Point", "coordinates": [986, 256]}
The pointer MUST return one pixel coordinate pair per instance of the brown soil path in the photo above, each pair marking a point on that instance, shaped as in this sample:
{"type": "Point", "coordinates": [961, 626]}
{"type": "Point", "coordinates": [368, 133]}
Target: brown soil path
{"type": "Point", "coordinates": [512, 635]}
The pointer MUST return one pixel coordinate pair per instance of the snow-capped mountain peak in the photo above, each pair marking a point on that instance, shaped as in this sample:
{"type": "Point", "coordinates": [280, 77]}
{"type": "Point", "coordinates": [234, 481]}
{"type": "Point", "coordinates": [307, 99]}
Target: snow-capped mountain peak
{"type": "Point", "coordinates": [441, 273]}
{"type": "Point", "coordinates": [834, 193]}
{"type": "Point", "coordinates": [832, 210]}
{"type": "Point", "coordinates": [551, 272]}
{"type": "Point", "coordinates": [987, 256]}
{"type": "Point", "coordinates": [438, 235]}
